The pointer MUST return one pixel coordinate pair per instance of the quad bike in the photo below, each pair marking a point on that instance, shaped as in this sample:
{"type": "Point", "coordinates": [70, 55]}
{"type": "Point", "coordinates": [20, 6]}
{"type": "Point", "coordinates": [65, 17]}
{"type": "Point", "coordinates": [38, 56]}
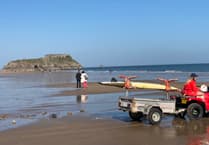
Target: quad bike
{"type": "Point", "coordinates": [154, 109]}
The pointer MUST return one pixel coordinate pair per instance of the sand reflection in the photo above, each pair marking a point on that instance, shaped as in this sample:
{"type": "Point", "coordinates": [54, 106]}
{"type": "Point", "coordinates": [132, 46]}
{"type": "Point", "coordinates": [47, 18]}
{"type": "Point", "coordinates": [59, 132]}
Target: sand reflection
{"type": "Point", "coordinates": [82, 99]}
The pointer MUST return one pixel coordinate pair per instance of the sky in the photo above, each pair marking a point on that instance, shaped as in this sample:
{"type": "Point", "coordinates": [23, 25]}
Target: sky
{"type": "Point", "coordinates": [106, 32]}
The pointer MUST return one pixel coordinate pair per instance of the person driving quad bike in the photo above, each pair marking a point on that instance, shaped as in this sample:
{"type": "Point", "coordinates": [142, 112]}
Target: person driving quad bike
{"type": "Point", "coordinates": [190, 87]}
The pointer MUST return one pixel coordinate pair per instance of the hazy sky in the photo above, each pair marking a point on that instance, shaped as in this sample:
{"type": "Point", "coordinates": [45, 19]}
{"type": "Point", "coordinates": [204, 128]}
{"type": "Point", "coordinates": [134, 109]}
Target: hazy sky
{"type": "Point", "coordinates": [106, 32]}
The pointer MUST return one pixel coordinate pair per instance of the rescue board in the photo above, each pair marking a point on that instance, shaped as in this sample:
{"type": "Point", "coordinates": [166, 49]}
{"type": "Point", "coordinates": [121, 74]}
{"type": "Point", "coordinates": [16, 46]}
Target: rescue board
{"type": "Point", "coordinates": [140, 85]}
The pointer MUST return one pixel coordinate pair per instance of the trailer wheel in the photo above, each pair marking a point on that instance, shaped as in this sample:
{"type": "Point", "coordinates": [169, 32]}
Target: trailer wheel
{"type": "Point", "coordinates": [135, 116]}
{"type": "Point", "coordinates": [195, 111]}
{"type": "Point", "coordinates": [154, 116]}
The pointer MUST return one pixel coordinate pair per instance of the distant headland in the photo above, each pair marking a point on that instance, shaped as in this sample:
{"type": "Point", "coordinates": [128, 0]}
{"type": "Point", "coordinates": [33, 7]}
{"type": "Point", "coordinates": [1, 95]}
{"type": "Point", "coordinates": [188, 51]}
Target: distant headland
{"type": "Point", "coordinates": [50, 62]}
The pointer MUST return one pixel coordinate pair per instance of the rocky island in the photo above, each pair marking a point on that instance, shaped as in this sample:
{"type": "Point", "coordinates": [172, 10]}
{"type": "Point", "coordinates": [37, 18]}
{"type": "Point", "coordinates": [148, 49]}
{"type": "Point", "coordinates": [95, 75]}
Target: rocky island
{"type": "Point", "coordinates": [50, 62]}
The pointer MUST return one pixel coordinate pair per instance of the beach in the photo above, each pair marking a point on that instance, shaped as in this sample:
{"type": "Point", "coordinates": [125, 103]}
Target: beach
{"type": "Point", "coordinates": [50, 47]}
{"type": "Point", "coordinates": [89, 116]}
{"type": "Point", "coordinates": [85, 129]}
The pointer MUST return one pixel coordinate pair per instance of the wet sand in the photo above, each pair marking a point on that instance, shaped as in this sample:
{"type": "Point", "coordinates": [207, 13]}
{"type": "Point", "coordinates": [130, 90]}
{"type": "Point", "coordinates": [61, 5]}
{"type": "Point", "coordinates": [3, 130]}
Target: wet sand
{"type": "Point", "coordinates": [84, 129]}
{"type": "Point", "coordinates": [94, 88]}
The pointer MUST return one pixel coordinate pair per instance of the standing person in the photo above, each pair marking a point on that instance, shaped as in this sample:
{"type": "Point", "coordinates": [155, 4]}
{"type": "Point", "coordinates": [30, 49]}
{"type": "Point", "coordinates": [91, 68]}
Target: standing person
{"type": "Point", "coordinates": [84, 78]}
{"type": "Point", "coordinates": [78, 79]}
{"type": "Point", "coordinates": [190, 87]}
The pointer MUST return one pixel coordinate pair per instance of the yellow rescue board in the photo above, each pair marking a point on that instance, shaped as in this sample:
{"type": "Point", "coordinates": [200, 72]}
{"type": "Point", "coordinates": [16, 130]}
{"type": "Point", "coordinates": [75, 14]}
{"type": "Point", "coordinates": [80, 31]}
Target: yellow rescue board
{"type": "Point", "coordinates": [143, 85]}
{"type": "Point", "coordinates": [140, 85]}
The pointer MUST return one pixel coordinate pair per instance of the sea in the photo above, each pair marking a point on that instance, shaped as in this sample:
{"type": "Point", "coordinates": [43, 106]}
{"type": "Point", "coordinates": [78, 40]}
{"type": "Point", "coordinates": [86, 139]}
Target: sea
{"type": "Point", "coordinates": [152, 72]}
{"type": "Point", "coordinates": [26, 97]}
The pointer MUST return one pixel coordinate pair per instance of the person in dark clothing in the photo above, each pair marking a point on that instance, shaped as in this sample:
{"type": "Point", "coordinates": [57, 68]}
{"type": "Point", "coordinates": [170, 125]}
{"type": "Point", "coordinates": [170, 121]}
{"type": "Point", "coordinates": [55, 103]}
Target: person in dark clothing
{"type": "Point", "coordinates": [78, 79]}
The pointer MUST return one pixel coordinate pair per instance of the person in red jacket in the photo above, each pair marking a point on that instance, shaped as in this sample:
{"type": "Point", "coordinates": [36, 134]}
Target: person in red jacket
{"type": "Point", "coordinates": [190, 87]}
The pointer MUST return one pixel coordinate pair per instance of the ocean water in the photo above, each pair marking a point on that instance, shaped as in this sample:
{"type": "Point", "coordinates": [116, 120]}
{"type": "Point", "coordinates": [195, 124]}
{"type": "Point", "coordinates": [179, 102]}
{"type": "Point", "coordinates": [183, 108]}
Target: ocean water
{"type": "Point", "coordinates": [151, 72]}
{"type": "Point", "coordinates": [25, 97]}
{"type": "Point", "coordinates": [202, 67]}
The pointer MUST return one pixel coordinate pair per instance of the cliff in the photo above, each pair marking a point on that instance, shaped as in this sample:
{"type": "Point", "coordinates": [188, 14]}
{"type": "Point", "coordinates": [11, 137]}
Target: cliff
{"type": "Point", "coordinates": [51, 62]}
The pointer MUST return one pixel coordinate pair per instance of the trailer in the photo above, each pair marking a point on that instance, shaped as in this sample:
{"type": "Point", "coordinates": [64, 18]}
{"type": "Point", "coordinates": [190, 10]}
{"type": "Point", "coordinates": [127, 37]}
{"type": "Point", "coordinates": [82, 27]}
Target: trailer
{"type": "Point", "coordinates": [153, 109]}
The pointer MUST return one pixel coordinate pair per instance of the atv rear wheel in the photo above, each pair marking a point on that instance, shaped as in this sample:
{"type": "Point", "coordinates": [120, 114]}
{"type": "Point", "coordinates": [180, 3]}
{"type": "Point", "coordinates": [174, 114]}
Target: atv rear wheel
{"type": "Point", "coordinates": [195, 111]}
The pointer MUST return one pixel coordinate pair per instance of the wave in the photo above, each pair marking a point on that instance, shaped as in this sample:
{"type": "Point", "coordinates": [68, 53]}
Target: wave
{"type": "Point", "coordinates": [172, 71]}
{"type": "Point", "coordinates": [159, 68]}
{"type": "Point", "coordinates": [134, 71]}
